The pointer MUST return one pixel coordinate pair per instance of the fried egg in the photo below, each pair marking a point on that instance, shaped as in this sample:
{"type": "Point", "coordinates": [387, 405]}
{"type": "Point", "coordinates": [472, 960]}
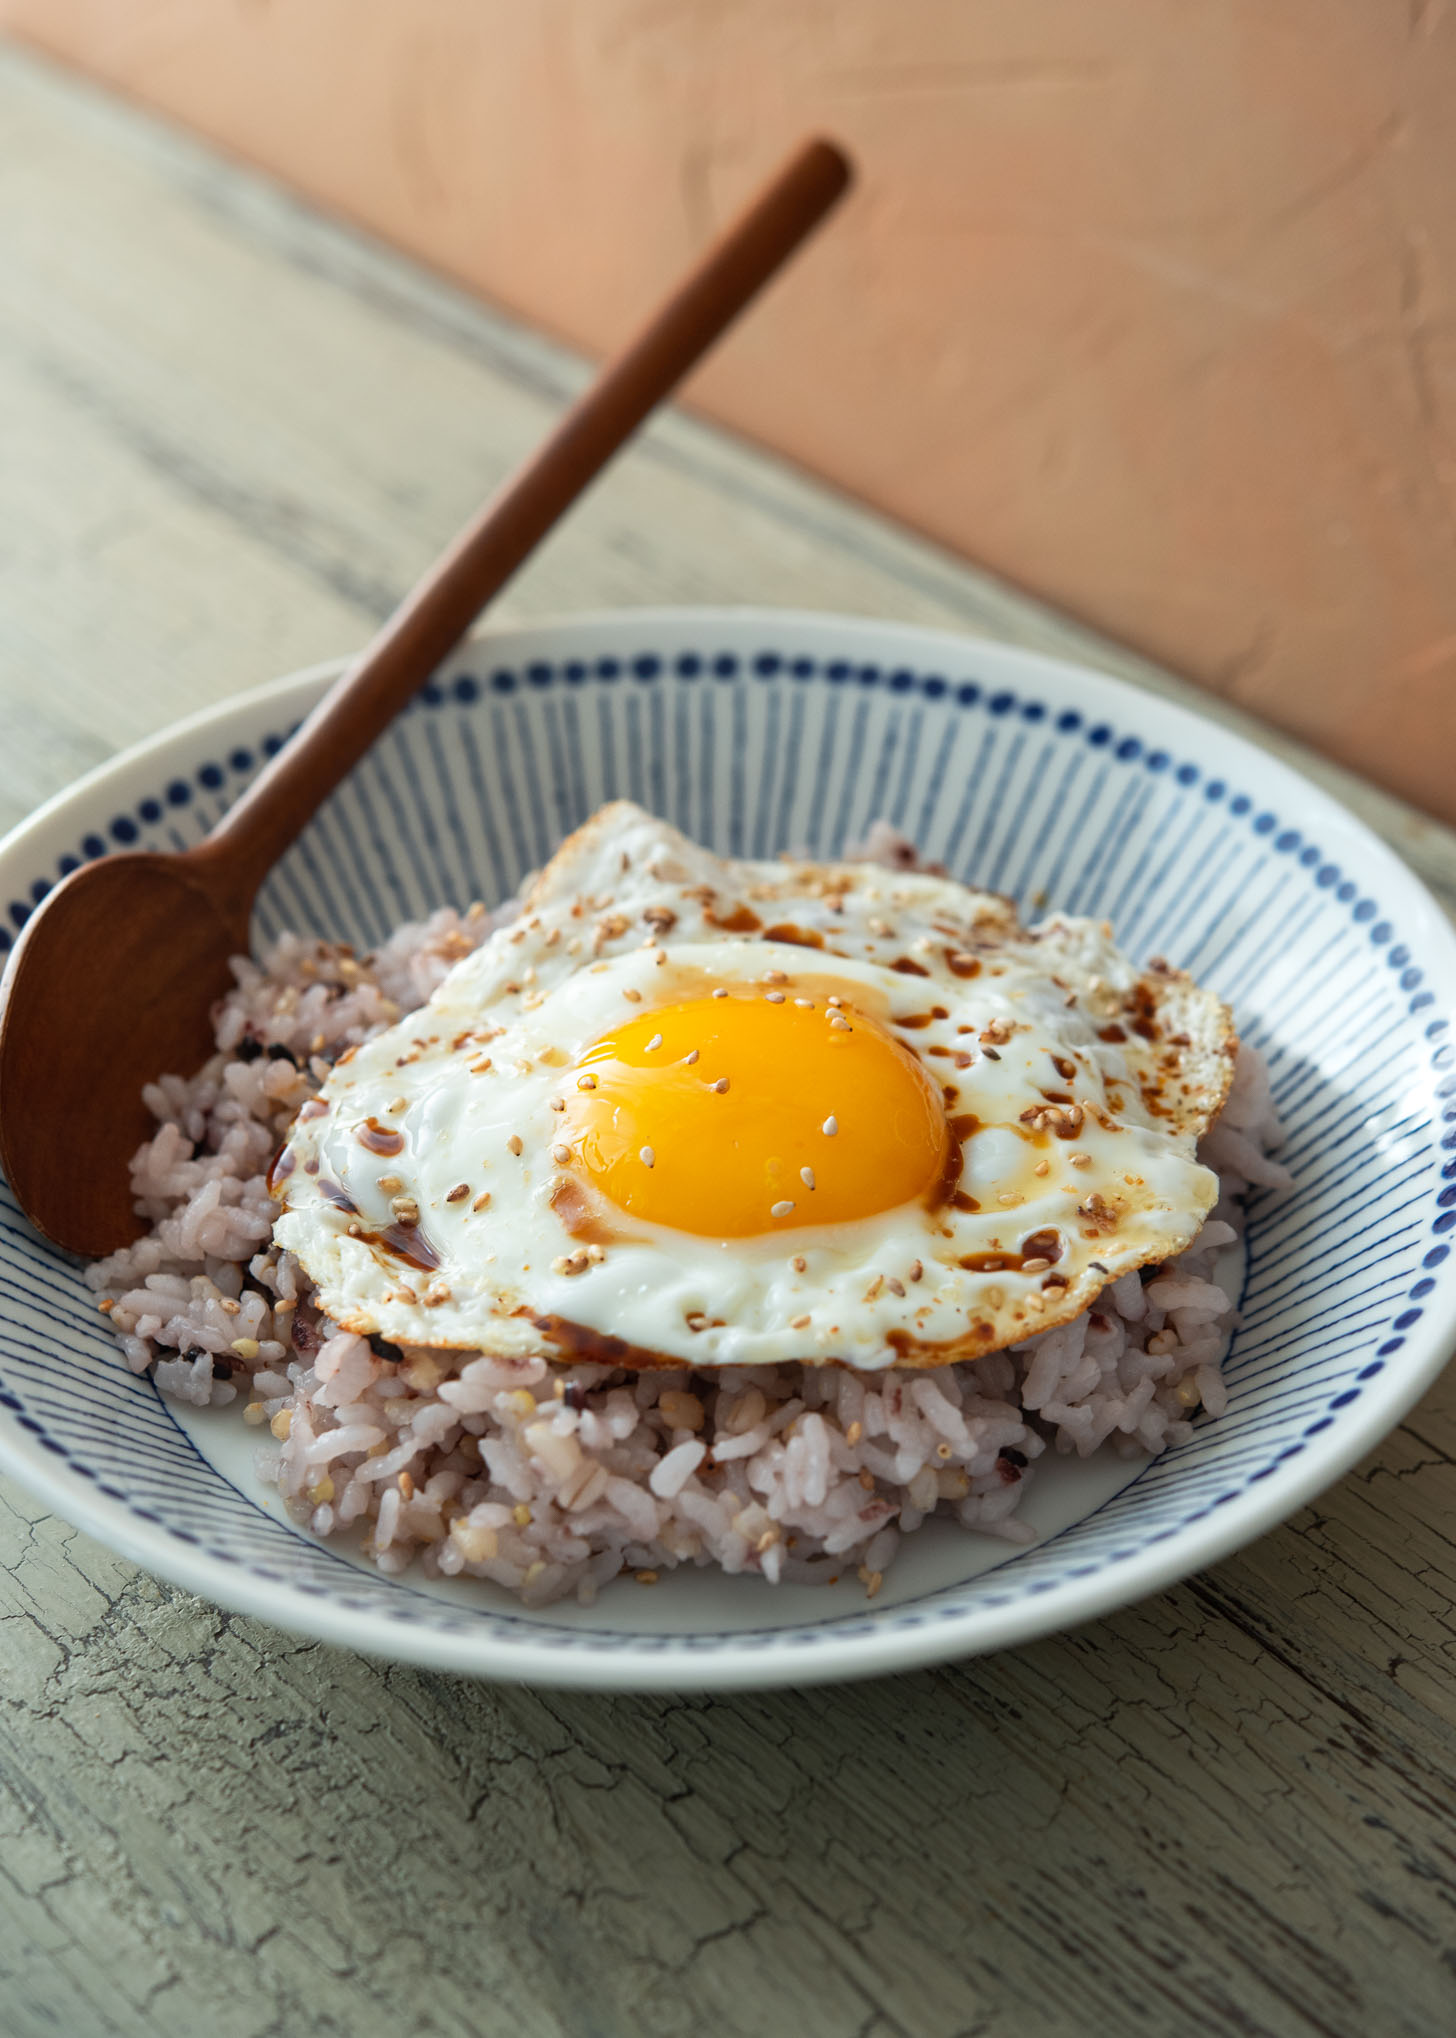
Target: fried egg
{"type": "Point", "coordinates": [691, 1111]}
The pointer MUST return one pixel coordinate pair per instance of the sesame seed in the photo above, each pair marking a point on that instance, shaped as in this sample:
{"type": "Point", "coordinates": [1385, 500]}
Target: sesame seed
{"type": "Point", "coordinates": [390, 1184]}
{"type": "Point", "coordinates": [804, 1004]}
{"type": "Point", "coordinates": [720, 992]}
{"type": "Point", "coordinates": [916, 1270]}
{"type": "Point", "coordinates": [836, 1002]}
{"type": "Point", "coordinates": [774, 997]}
{"type": "Point", "coordinates": [481, 1200]}
{"type": "Point", "coordinates": [400, 1104]}
{"type": "Point", "coordinates": [691, 1057]}
{"type": "Point", "coordinates": [227, 1305]}
{"type": "Point", "coordinates": [721, 1086]}
{"type": "Point", "coordinates": [798, 1263]}
{"type": "Point", "coordinates": [1035, 1266]}
{"type": "Point", "coordinates": [841, 1025]}
{"type": "Point", "coordinates": [1079, 1160]}
{"type": "Point", "coordinates": [1042, 1168]}
{"type": "Point", "coordinates": [632, 995]}
{"type": "Point", "coordinates": [830, 1127]}
{"type": "Point", "coordinates": [647, 1157]}
{"type": "Point", "coordinates": [561, 1155]}
{"type": "Point", "coordinates": [478, 1068]}
{"type": "Point", "coordinates": [514, 1142]}
{"type": "Point", "coordinates": [806, 1176]}
{"type": "Point", "coordinates": [874, 1288]}
{"type": "Point", "coordinates": [781, 1209]}
{"type": "Point", "coordinates": [799, 1322]}
{"type": "Point", "coordinates": [458, 1194]}
{"type": "Point", "coordinates": [586, 1082]}
{"type": "Point", "coordinates": [558, 1103]}
{"type": "Point", "coordinates": [895, 1285]}
{"type": "Point", "coordinates": [655, 1042]}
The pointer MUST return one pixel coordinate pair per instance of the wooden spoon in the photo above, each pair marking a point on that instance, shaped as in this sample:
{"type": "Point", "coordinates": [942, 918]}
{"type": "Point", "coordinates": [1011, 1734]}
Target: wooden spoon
{"type": "Point", "coordinates": [113, 978]}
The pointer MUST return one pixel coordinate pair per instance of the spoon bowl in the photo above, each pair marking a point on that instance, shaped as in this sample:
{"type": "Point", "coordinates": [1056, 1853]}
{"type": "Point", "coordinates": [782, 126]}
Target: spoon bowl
{"type": "Point", "coordinates": [111, 985]}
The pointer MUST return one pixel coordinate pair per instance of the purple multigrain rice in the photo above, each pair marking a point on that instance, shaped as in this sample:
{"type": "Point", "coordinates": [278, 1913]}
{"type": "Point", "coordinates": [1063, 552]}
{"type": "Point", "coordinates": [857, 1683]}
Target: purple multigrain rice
{"type": "Point", "coordinates": [551, 1479]}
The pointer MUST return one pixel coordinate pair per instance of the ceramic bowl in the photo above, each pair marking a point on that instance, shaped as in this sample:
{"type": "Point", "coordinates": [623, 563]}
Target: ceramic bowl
{"type": "Point", "coordinates": [754, 732]}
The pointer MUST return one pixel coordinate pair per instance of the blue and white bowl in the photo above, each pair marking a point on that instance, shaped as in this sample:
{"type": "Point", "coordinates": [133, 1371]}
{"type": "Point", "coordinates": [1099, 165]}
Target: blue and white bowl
{"type": "Point", "coordinates": [756, 731]}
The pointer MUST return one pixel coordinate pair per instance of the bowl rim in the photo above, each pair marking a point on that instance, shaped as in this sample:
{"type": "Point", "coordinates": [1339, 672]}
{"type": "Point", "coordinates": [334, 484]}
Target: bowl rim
{"type": "Point", "coordinates": [981, 1628]}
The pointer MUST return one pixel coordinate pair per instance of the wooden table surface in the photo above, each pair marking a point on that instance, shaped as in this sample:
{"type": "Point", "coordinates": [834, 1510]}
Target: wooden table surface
{"type": "Point", "coordinates": [229, 434]}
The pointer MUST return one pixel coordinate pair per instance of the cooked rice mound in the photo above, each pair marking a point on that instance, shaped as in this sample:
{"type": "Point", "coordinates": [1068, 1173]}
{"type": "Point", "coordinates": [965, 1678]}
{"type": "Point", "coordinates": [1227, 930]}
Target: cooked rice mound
{"type": "Point", "coordinates": [551, 1480]}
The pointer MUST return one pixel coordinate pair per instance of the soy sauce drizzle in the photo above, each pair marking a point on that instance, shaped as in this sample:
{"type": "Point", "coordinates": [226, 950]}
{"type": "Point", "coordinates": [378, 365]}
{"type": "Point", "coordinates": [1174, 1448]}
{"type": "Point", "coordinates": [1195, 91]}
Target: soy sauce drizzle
{"type": "Point", "coordinates": [742, 920]}
{"type": "Point", "coordinates": [913, 1021]}
{"type": "Point", "coordinates": [599, 1347]}
{"type": "Point", "coordinates": [947, 1189]}
{"type": "Point", "coordinates": [382, 1139]}
{"type": "Point", "coordinates": [410, 1245]}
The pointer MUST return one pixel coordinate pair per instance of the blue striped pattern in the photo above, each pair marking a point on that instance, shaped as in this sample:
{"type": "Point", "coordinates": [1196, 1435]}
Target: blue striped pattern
{"type": "Point", "coordinates": [754, 747]}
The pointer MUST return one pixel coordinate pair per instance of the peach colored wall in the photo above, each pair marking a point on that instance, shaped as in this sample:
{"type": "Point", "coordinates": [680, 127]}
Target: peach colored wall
{"type": "Point", "coordinates": [1147, 305]}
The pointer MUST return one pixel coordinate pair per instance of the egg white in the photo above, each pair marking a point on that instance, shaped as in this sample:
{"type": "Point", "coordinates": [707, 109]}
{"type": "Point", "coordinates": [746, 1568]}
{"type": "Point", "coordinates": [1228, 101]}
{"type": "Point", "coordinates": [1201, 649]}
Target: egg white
{"type": "Point", "coordinates": [630, 915]}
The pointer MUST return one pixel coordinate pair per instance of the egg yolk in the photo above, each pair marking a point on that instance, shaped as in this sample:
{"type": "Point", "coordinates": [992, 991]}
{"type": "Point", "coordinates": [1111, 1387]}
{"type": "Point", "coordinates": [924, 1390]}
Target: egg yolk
{"type": "Point", "coordinates": [730, 1116]}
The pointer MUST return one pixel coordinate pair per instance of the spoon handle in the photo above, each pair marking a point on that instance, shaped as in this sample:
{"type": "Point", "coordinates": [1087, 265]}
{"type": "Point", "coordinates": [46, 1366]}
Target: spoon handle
{"type": "Point", "coordinates": [441, 608]}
